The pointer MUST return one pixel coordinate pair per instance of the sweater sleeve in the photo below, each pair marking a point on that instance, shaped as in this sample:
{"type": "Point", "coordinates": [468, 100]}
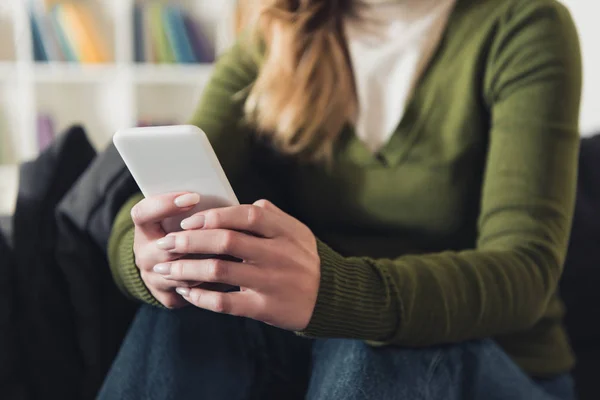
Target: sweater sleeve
{"type": "Point", "coordinates": [532, 87]}
{"type": "Point", "coordinates": [220, 115]}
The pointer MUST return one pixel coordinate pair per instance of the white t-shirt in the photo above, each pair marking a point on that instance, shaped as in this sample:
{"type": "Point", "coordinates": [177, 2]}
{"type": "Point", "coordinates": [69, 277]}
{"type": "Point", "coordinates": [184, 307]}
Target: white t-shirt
{"type": "Point", "coordinates": [390, 46]}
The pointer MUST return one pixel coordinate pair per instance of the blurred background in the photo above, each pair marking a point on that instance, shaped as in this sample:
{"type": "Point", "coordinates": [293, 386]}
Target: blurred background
{"type": "Point", "coordinates": [109, 64]}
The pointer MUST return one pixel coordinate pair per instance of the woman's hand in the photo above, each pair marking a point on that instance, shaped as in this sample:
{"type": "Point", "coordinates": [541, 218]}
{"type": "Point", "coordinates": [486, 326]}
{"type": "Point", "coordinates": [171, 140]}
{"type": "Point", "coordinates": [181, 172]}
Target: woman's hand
{"type": "Point", "coordinates": [279, 275]}
{"type": "Point", "coordinates": [147, 216]}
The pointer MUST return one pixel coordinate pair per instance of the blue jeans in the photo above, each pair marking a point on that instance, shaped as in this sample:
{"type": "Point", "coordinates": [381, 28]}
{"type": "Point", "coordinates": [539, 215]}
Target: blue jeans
{"type": "Point", "coordinates": [192, 353]}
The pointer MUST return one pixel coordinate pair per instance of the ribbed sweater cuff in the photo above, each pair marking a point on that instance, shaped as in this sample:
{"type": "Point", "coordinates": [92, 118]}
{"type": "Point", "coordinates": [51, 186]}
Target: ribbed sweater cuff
{"type": "Point", "coordinates": [129, 279]}
{"type": "Point", "coordinates": [122, 259]}
{"type": "Point", "coordinates": [352, 301]}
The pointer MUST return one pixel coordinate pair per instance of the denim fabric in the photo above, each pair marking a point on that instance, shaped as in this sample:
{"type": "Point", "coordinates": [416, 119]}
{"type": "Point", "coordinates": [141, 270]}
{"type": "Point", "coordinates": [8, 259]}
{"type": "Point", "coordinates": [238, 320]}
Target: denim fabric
{"type": "Point", "coordinates": [196, 354]}
{"type": "Point", "coordinates": [350, 369]}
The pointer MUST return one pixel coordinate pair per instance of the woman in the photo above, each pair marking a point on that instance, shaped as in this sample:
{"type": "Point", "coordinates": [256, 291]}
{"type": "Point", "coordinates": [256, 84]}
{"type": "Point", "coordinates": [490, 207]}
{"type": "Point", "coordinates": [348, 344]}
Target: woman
{"type": "Point", "coordinates": [422, 156]}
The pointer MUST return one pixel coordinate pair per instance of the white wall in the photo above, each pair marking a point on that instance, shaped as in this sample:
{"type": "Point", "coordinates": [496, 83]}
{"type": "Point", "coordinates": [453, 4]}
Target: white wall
{"type": "Point", "coordinates": [587, 17]}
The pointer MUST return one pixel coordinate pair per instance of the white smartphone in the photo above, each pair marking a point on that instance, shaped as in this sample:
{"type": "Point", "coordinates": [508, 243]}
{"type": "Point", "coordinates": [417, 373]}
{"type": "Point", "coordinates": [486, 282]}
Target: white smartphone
{"type": "Point", "coordinates": [179, 158]}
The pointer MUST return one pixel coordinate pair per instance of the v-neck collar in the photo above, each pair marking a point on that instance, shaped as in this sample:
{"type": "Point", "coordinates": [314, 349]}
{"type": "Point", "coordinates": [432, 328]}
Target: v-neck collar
{"type": "Point", "coordinates": [394, 151]}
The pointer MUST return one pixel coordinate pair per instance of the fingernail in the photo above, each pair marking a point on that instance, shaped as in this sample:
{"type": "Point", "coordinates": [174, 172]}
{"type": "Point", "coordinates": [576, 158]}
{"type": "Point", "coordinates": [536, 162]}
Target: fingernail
{"type": "Point", "coordinates": [183, 291]}
{"type": "Point", "coordinates": [163, 269]}
{"type": "Point", "coordinates": [193, 222]}
{"type": "Point", "coordinates": [166, 243]}
{"type": "Point", "coordinates": [187, 200]}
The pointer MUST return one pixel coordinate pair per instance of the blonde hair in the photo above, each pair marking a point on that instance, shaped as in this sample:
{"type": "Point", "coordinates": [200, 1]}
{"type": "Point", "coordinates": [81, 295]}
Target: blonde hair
{"type": "Point", "coordinates": [304, 94]}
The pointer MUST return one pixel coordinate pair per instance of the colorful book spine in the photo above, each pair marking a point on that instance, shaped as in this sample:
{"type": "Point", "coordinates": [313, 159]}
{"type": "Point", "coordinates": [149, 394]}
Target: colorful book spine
{"type": "Point", "coordinates": [148, 41]}
{"type": "Point", "coordinates": [39, 50]}
{"type": "Point", "coordinates": [45, 131]}
{"type": "Point", "coordinates": [202, 48]}
{"type": "Point", "coordinates": [177, 35]}
{"type": "Point", "coordinates": [138, 33]}
{"type": "Point", "coordinates": [91, 32]}
{"type": "Point", "coordinates": [159, 36]}
{"type": "Point", "coordinates": [46, 47]}
{"type": "Point", "coordinates": [63, 38]}
{"type": "Point", "coordinates": [66, 31]}
{"type": "Point", "coordinates": [167, 34]}
{"type": "Point", "coordinates": [43, 5]}
{"type": "Point", "coordinates": [49, 37]}
{"type": "Point", "coordinates": [78, 35]}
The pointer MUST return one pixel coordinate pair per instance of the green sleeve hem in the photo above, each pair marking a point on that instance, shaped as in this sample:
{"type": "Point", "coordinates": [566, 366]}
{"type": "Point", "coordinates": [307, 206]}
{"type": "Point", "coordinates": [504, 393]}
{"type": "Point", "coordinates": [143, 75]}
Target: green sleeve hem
{"type": "Point", "coordinates": [122, 259]}
{"type": "Point", "coordinates": [351, 301]}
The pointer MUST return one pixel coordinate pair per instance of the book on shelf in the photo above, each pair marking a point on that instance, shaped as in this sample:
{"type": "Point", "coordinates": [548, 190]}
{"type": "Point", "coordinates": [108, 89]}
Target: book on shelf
{"type": "Point", "coordinates": [39, 47]}
{"type": "Point", "coordinates": [164, 51]}
{"type": "Point", "coordinates": [66, 46]}
{"type": "Point", "coordinates": [138, 32]}
{"type": "Point", "coordinates": [165, 33]}
{"type": "Point", "coordinates": [178, 36]}
{"type": "Point", "coordinates": [66, 31]}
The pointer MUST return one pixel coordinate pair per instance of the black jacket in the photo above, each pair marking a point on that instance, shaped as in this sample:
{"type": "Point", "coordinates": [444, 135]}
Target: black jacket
{"type": "Point", "coordinates": [84, 220]}
{"type": "Point", "coordinates": [580, 282]}
{"type": "Point", "coordinates": [11, 365]}
{"type": "Point", "coordinates": [71, 316]}
{"type": "Point", "coordinates": [44, 307]}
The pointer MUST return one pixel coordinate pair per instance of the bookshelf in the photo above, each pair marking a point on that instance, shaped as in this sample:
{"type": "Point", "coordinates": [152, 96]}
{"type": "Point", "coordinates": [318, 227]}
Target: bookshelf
{"type": "Point", "coordinates": [104, 96]}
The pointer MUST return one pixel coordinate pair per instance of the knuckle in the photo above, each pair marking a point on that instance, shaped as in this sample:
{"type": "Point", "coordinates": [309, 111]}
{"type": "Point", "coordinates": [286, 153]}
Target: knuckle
{"type": "Point", "coordinates": [220, 304]}
{"type": "Point", "coordinates": [260, 310]}
{"type": "Point", "coordinates": [137, 215]}
{"type": "Point", "coordinates": [169, 301]}
{"type": "Point", "coordinates": [213, 219]}
{"type": "Point", "coordinates": [271, 280]}
{"type": "Point", "coordinates": [255, 215]}
{"type": "Point", "coordinates": [177, 270]}
{"type": "Point", "coordinates": [263, 203]}
{"type": "Point", "coordinates": [183, 243]}
{"type": "Point", "coordinates": [194, 297]}
{"type": "Point", "coordinates": [141, 260]}
{"type": "Point", "coordinates": [217, 270]}
{"type": "Point", "coordinates": [228, 241]}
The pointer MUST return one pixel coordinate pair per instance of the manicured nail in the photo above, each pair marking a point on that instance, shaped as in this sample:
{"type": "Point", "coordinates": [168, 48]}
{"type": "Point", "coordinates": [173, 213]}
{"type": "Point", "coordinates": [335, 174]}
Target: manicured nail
{"type": "Point", "coordinates": [163, 269]}
{"type": "Point", "coordinates": [187, 200]}
{"type": "Point", "coordinates": [166, 243]}
{"type": "Point", "coordinates": [193, 222]}
{"type": "Point", "coordinates": [183, 291]}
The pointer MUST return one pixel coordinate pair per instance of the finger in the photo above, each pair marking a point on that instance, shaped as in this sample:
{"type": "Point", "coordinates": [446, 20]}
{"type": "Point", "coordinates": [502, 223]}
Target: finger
{"type": "Point", "coordinates": [219, 242]}
{"type": "Point", "coordinates": [212, 270]}
{"type": "Point", "coordinates": [267, 205]}
{"type": "Point", "coordinates": [296, 230]}
{"type": "Point", "coordinates": [291, 223]}
{"type": "Point", "coordinates": [241, 304]}
{"type": "Point", "coordinates": [155, 209]}
{"type": "Point", "coordinates": [149, 255]}
{"type": "Point", "coordinates": [170, 300]}
{"type": "Point", "coordinates": [246, 218]}
{"type": "Point", "coordinates": [159, 284]}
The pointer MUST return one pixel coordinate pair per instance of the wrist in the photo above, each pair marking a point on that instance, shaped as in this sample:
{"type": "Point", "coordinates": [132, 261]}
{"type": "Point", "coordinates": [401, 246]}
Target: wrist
{"type": "Point", "coordinates": [352, 301]}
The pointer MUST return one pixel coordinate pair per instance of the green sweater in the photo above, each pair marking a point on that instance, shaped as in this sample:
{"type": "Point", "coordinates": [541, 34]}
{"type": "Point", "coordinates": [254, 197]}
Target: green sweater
{"type": "Point", "coordinates": [458, 228]}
